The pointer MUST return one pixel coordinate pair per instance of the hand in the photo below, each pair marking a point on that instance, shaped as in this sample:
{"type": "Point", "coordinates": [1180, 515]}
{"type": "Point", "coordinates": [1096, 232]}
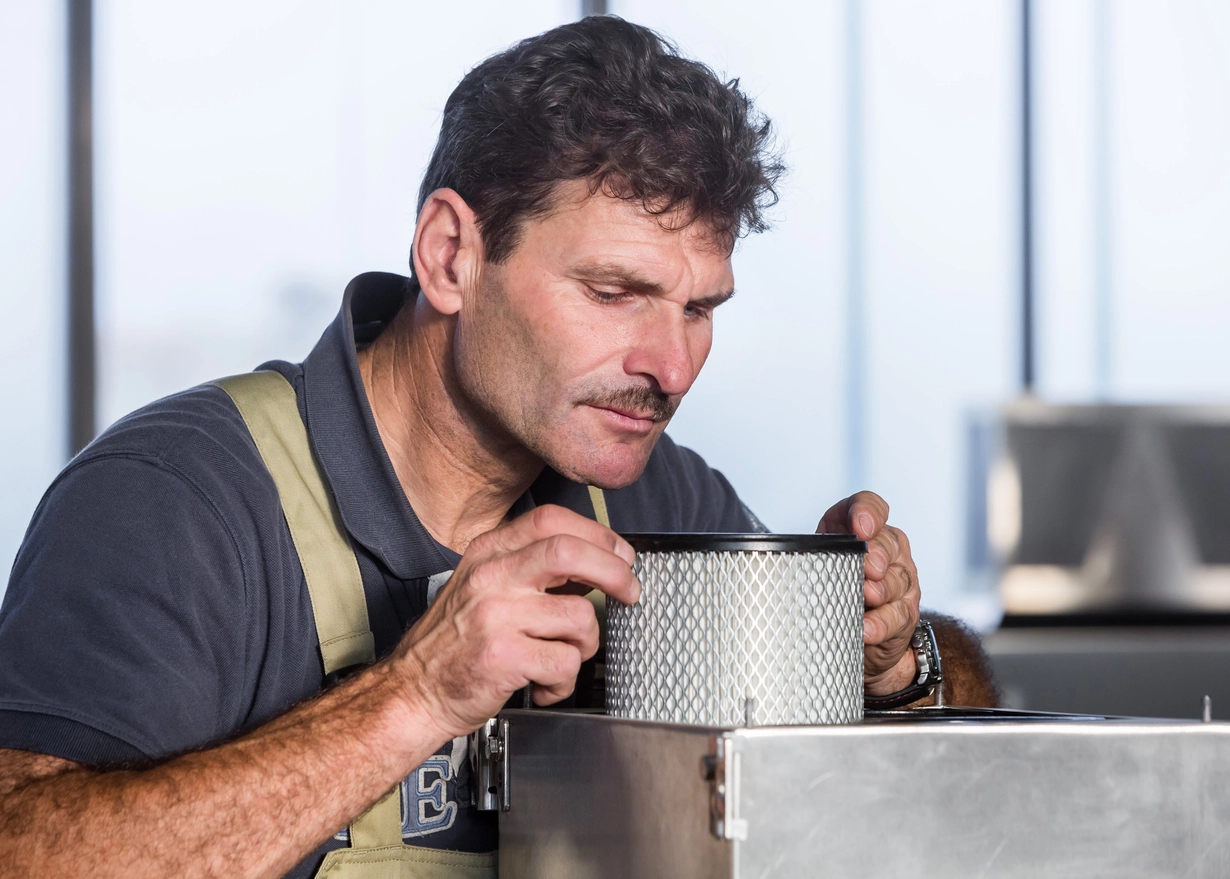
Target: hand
{"type": "Point", "coordinates": [890, 590]}
{"type": "Point", "coordinates": [500, 623]}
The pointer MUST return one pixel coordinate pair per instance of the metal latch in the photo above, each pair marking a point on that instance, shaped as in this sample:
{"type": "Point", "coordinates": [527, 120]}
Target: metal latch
{"type": "Point", "coordinates": [721, 770]}
{"type": "Point", "coordinates": [489, 766]}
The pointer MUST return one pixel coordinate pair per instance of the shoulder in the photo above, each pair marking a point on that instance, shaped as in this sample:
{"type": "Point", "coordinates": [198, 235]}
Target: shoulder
{"type": "Point", "coordinates": [197, 438]}
{"type": "Point", "coordinates": [678, 491]}
{"type": "Point", "coordinates": [154, 583]}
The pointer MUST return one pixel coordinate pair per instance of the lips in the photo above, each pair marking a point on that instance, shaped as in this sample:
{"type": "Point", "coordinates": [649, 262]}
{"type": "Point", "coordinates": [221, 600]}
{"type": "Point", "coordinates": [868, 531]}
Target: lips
{"type": "Point", "coordinates": [633, 414]}
{"type": "Point", "coordinates": [629, 421]}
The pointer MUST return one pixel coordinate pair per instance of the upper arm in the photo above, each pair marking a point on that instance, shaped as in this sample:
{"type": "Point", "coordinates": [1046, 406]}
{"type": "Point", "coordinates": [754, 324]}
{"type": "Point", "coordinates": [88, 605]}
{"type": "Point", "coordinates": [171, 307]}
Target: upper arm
{"type": "Point", "coordinates": [20, 768]}
{"type": "Point", "coordinates": [122, 631]}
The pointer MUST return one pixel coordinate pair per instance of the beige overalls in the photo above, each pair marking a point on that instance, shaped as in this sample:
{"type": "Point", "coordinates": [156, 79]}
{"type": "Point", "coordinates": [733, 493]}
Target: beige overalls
{"type": "Point", "coordinates": [269, 408]}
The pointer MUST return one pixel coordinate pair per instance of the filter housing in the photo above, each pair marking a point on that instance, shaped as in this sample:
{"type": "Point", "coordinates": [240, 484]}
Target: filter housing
{"type": "Point", "coordinates": [740, 630]}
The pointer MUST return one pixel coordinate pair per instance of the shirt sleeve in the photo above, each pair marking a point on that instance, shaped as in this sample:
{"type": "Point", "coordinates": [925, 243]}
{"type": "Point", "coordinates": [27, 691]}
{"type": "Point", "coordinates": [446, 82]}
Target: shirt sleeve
{"type": "Point", "coordinates": [122, 631]}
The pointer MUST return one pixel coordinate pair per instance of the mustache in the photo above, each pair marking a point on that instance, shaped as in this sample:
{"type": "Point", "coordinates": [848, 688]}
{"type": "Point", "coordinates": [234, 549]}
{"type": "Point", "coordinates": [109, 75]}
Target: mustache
{"type": "Point", "coordinates": [659, 406]}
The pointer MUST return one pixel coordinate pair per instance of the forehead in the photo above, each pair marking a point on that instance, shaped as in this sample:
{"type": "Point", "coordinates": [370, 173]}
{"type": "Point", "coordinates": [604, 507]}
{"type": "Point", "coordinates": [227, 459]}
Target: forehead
{"type": "Point", "coordinates": [583, 225]}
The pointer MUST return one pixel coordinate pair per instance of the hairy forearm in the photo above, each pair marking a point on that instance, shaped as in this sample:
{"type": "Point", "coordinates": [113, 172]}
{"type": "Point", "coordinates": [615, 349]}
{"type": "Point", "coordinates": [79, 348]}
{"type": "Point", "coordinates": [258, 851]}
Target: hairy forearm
{"type": "Point", "coordinates": [254, 807]}
{"type": "Point", "coordinates": [968, 679]}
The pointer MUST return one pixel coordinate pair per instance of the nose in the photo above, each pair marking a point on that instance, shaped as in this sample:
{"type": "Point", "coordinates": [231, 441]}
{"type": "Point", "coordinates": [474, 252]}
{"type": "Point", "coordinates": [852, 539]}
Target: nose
{"type": "Point", "coordinates": [663, 352]}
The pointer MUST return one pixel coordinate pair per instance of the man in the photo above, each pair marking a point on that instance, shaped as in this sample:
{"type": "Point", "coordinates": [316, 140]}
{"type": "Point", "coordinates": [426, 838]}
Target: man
{"type": "Point", "coordinates": [161, 709]}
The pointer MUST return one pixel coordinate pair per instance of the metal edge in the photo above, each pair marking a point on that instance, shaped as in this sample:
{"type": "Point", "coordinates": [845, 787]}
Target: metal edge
{"type": "Point", "coordinates": [715, 542]}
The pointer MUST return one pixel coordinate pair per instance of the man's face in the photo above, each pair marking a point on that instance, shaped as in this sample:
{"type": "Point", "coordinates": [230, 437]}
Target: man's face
{"type": "Point", "coordinates": [584, 341]}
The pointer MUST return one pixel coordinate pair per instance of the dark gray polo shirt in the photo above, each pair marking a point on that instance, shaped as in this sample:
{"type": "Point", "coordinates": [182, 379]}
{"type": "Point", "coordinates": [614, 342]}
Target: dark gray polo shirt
{"type": "Point", "coordinates": [157, 604]}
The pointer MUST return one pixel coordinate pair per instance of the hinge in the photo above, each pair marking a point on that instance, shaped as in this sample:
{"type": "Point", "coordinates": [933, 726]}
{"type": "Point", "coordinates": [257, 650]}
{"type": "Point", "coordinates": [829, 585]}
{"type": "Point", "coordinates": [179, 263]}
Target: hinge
{"type": "Point", "coordinates": [721, 770]}
{"type": "Point", "coordinates": [489, 767]}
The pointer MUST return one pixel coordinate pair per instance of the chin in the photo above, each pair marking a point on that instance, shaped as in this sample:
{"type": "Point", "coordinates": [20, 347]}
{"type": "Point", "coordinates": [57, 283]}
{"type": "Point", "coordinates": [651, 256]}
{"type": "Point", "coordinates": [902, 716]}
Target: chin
{"type": "Point", "coordinates": [617, 468]}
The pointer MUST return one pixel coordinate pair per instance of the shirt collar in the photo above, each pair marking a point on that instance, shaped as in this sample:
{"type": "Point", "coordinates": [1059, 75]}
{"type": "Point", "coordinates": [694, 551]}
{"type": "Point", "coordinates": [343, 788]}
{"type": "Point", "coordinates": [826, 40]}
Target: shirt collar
{"type": "Point", "coordinates": [369, 496]}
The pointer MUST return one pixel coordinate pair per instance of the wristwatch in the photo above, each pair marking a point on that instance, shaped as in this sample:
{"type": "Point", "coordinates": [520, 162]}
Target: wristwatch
{"type": "Point", "coordinates": [928, 680]}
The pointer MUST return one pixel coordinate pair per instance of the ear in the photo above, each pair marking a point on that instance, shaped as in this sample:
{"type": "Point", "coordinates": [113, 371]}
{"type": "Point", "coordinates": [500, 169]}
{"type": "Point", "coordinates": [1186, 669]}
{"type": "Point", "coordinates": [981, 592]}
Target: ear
{"type": "Point", "coordinates": [447, 250]}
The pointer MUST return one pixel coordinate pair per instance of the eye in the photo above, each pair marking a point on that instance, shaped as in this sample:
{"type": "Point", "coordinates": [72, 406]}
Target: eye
{"type": "Point", "coordinates": [700, 312]}
{"type": "Point", "coordinates": [608, 297]}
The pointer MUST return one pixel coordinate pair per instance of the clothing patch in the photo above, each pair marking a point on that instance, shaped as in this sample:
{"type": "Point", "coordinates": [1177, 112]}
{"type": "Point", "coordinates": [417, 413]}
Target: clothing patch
{"type": "Point", "coordinates": [434, 793]}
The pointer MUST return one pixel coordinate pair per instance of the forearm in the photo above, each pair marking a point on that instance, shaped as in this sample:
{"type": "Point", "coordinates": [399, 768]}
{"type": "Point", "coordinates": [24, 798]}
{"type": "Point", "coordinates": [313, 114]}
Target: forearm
{"type": "Point", "coordinates": [253, 807]}
{"type": "Point", "coordinates": [968, 679]}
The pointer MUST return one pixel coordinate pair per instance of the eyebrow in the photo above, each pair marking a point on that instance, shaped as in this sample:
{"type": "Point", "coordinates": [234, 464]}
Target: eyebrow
{"type": "Point", "coordinates": [606, 273]}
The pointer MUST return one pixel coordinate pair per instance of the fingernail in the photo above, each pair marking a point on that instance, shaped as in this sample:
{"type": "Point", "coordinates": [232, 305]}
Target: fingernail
{"type": "Point", "coordinates": [866, 630]}
{"type": "Point", "coordinates": [637, 592]}
{"type": "Point", "coordinates": [878, 559]}
{"type": "Point", "coordinates": [624, 550]}
{"type": "Point", "coordinates": [867, 524]}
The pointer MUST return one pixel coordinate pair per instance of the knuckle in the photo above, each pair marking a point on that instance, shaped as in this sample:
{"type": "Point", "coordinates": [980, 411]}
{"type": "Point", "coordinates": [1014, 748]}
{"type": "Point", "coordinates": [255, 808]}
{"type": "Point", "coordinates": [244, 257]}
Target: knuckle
{"type": "Point", "coordinates": [481, 544]}
{"type": "Point", "coordinates": [561, 553]}
{"type": "Point", "coordinates": [548, 517]}
{"type": "Point", "coordinates": [486, 613]}
{"type": "Point", "coordinates": [905, 615]}
{"type": "Point", "coordinates": [557, 662]}
{"type": "Point", "coordinates": [496, 654]}
{"type": "Point", "coordinates": [580, 612]}
{"type": "Point", "coordinates": [485, 575]}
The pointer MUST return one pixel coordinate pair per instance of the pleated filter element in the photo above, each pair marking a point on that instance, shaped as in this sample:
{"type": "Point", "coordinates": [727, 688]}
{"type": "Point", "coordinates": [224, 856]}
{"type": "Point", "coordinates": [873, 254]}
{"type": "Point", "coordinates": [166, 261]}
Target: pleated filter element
{"type": "Point", "coordinates": [740, 630]}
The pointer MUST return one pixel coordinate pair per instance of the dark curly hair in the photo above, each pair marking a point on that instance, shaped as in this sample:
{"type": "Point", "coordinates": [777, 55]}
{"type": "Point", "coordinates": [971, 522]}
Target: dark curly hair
{"type": "Point", "coordinates": [614, 103]}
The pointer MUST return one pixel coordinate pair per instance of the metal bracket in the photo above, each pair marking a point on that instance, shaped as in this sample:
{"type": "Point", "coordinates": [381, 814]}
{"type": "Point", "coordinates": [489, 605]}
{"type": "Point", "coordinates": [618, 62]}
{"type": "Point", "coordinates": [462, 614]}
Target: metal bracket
{"type": "Point", "coordinates": [721, 770]}
{"type": "Point", "coordinates": [489, 788]}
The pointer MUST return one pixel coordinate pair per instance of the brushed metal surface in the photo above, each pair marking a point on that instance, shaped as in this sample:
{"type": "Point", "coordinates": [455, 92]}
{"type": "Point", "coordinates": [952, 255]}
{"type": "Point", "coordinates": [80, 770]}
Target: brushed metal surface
{"type": "Point", "coordinates": [730, 638]}
{"type": "Point", "coordinates": [1056, 797]}
{"type": "Point", "coordinates": [596, 797]}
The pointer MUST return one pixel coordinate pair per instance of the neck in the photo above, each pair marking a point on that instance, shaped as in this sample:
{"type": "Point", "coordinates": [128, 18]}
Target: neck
{"type": "Point", "coordinates": [459, 473]}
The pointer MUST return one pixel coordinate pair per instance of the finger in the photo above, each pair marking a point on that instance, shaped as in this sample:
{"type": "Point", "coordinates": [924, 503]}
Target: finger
{"type": "Point", "coordinates": [890, 623]}
{"type": "Point", "coordinates": [564, 558]}
{"type": "Point", "coordinates": [862, 514]}
{"type": "Point", "coordinates": [883, 551]}
{"type": "Point", "coordinates": [893, 586]}
{"type": "Point", "coordinates": [566, 618]}
{"type": "Point", "coordinates": [544, 695]}
{"type": "Point", "coordinates": [552, 669]}
{"type": "Point", "coordinates": [836, 519]}
{"type": "Point", "coordinates": [550, 520]}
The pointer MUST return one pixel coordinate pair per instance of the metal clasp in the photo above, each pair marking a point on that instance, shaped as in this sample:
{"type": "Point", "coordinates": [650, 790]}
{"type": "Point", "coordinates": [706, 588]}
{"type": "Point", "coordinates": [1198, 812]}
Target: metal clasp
{"type": "Point", "coordinates": [721, 770]}
{"type": "Point", "coordinates": [489, 789]}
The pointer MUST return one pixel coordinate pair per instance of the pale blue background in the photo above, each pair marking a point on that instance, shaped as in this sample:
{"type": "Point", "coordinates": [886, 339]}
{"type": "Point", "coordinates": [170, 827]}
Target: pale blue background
{"type": "Point", "coordinates": [252, 157]}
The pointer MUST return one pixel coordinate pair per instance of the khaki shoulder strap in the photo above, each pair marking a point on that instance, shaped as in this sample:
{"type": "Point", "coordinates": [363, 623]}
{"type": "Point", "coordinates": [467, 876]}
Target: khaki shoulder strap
{"type": "Point", "coordinates": [598, 499]}
{"type": "Point", "coordinates": [267, 403]}
{"type": "Point", "coordinates": [596, 598]}
{"type": "Point", "coordinates": [270, 410]}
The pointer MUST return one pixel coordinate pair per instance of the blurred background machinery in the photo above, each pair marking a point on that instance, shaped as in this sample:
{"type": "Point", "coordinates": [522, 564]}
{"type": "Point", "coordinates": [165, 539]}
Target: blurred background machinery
{"type": "Point", "coordinates": [1107, 532]}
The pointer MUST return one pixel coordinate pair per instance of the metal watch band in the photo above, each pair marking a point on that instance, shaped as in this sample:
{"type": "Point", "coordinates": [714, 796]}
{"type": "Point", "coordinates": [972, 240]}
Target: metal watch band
{"type": "Point", "coordinates": [929, 677]}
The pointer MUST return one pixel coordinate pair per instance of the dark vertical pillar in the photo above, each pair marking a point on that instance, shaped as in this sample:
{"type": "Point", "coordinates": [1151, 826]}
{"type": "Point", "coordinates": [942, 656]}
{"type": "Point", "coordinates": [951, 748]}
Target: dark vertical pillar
{"type": "Point", "coordinates": [593, 7]}
{"type": "Point", "coordinates": [1028, 370]}
{"type": "Point", "coordinates": [81, 356]}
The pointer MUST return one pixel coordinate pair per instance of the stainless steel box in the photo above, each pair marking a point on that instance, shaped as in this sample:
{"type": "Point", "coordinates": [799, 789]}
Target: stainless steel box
{"type": "Point", "coordinates": [938, 793]}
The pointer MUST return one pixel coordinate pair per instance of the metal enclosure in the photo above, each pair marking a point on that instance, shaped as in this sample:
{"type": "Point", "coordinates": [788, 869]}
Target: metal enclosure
{"type": "Point", "coordinates": [938, 793]}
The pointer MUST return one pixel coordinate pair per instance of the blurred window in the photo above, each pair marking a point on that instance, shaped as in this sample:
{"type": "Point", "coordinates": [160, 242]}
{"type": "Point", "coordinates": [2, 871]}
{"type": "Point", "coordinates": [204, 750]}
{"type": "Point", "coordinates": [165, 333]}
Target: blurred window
{"type": "Point", "coordinates": [32, 248]}
{"type": "Point", "coordinates": [252, 158]}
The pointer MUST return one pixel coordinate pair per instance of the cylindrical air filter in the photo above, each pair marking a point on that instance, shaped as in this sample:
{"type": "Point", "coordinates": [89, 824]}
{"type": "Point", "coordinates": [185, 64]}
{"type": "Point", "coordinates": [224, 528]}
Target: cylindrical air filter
{"type": "Point", "coordinates": [740, 630]}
